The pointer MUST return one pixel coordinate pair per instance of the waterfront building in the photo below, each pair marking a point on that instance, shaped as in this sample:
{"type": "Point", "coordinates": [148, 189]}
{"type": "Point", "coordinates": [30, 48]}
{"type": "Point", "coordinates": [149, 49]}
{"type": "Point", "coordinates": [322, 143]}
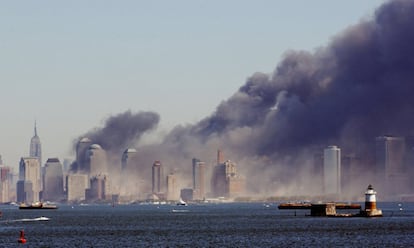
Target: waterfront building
{"type": "Point", "coordinates": [96, 161]}
{"type": "Point", "coordinates": [5, 181]}
{"type": "Point", "coordinates": [332, 170]}
{"type": "Point", "coordinates": [187, 194]}
{"type": "Point", "coordinates": [128, 172]}
{"type": "Point", "coordinates": [218, 181]}
{"type": "Point", "coordinates": [36, 146]}
{"type": "Point", "coordinates": [199, 183]}
{"type": "Point", "coordinates": [226, 182]}
{"type": "Point", "coordinates": [353, 175]}
{"type": "Point", "coordinates": [128, 157]}
{"type": "Point", "coordinates": [76, 185]}
{"type": "Point", "coordinates": [98, 188]}
{"type": "Point", "coordinates": [317, 172]}
{"type": "Point", "coordinates": [53, 180]}
{"type": "Point", "coordinates": [220, 157]}
{"type": "Point", "coordinates": [81, 155]}
{"type": "Point", "coordinates": [172, 188]}
{"type": "Point", "coordinates": [391, 174]}
{"type": "Point", "coordinates": [157, 177]}
{"type": "Point", "coordinates": [30, 180]}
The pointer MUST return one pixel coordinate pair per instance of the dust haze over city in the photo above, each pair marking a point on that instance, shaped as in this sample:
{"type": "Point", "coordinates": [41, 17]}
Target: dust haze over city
{"type": "Point", "coordinates": [347, 93]}
{"type": "Point", "coordinates": [352, 92]}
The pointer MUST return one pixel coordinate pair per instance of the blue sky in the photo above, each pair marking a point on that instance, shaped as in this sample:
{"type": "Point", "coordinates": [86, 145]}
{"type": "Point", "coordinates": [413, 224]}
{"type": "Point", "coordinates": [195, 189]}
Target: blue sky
{"type": "Point", "coordinates": [71, 64]}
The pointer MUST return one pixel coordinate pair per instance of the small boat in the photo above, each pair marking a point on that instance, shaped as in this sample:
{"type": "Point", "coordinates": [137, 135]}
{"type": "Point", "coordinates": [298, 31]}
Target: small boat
{"type": "Point", "coordinates": [180, 210]}
{"type": "Point", "coordinates": [37, 205]}
{"type": "Point", "coordinates": [181, 203]}
{"type": "Point", "coordinates": [42, 218]}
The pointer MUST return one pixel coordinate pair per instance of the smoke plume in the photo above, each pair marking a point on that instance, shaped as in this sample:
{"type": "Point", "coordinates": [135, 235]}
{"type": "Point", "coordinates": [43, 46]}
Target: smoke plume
{"type": "Point", "coordinates": [356, 88]}
{"type": "Point", "coordinates": [122, 130]}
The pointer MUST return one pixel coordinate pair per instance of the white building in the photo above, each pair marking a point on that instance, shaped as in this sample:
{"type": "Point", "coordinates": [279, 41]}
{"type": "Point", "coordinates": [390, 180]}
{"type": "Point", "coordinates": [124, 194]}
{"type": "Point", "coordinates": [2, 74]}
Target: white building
{"type": "Point", "coordinates": [96, 160]}
{"type": "Point", "coordinates": [53, 180]}
{"type": "Point", "coordinates": [30, 180]}
{"type": "Point", "coordinates": [332, 170]}
{"type": "Point", "coordinates": [76, 185]}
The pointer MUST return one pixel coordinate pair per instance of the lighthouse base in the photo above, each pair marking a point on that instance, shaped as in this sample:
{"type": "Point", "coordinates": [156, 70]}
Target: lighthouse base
{"type": "Point", "coordinates": [371, 213]}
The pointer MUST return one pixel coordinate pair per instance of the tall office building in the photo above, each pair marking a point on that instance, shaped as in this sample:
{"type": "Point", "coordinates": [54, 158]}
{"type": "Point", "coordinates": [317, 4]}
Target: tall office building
{"type": "Point", "coordinates": [96, 161]}
{"type": "Point", "coordinates": [353, 175]}
{"type": "Point", "coordinates": [390, 171]}
{"type": "Point", "coordinates": [128, 157]}
{"type": "Point", "coordinates": [235, 184]}
{"type": "Point", "coordinates": [332, 170]}
{"type": "Point", "coordinates": [173, 194]}
{"type": "Point", "coordinates": [81, 154]}
{"type": "Point", "coordinates": [76, 185]}
{"type": "Point", "coordinates": [98, 188]}
{"type": "Point", "coordinates": [157, 177]}
{"type": "Point", "coordinates": [36, 146]}
{"type": "Point", "coordinates": [128, 172]}
{"type": "Point", "coordinates": [53, 180]}
{"type": "Point", "coordinates": [226, 182]}
{"type": "Point", "coordinates": [199, 183]}
{"type": "Point", "coordinates": [220, 157]}
{"type": "Point", "coordinates": [29, 185]}
{"type": "Point", "coordinates": [218, 181]}
{"type": "Point", "coordinates": [5, 180]}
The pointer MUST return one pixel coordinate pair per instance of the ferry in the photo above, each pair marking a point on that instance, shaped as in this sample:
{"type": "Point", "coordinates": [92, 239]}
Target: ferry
{"type": "Point", "coordinates": [37, 205]}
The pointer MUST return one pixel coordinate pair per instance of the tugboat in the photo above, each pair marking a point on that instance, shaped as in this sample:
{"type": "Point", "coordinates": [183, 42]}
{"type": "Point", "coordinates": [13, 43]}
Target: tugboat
{"type": "Point", "coordinates": [37, 205]}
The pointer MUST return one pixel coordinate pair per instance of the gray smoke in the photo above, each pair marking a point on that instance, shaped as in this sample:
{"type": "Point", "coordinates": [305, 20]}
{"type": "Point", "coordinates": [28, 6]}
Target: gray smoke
{"type": "Point", "coordinates": [123, 130]}
{"type": "Point", "coordinates": [358, 86]}
{"type": "Point", "coordinates": [347, 93]}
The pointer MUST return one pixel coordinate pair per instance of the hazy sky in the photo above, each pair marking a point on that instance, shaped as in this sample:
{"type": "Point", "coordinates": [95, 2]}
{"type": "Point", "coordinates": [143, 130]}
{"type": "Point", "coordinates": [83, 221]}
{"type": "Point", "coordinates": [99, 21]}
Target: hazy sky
{"type": "Point", "coordinates": [71, 64]}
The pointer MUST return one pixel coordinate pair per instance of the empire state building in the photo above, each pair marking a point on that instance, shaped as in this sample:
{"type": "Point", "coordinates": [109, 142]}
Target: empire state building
{"type": "Point", "coordinates": [36, 146]}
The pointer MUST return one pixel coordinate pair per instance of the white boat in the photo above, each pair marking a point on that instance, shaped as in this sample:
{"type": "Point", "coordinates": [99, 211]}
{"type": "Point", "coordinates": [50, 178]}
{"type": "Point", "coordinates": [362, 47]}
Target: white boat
{"type": "Point", "coordinates": [42, 218]}
{"type": "Point", "coordinates": [181, 203]}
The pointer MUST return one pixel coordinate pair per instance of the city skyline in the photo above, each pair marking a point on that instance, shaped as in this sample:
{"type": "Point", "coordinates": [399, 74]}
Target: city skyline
{"type": "Point", "coordinates": [82, 64]}
{"type": "Point", "coordinates": [347, 92]}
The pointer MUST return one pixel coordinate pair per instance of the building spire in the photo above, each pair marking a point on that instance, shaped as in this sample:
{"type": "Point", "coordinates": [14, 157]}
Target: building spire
{"type": "Point", "coordinates": [35, 128]}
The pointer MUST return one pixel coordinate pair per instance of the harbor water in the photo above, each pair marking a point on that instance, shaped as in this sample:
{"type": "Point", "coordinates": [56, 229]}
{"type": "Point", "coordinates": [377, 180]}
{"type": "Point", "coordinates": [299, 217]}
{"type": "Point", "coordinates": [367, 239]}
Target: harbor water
{"type": "Point", "coordinates": [203, 225]}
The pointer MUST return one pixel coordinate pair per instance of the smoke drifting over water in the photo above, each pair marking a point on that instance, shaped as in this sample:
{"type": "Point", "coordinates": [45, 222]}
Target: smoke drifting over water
{"type": "Point", "coordinates": [358, 87]}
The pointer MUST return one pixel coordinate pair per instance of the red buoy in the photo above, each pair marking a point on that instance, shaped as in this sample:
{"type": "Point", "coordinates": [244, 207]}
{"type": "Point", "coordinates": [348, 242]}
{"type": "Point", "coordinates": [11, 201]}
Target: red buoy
{"type": "Point", "coordinates": [21, 239]}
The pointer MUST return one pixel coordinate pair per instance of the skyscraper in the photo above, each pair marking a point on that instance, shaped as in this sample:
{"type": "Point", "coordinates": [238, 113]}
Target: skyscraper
{"type": "Point", "coordinates": [389, 165]}
{"type": "Point", "coordinates": [53, 180]}
{"type": "Point", "coordinates": [98, 188]}
{"type": "Point", "coordinates": [36, 146]}
{"type": "Point", "coordinates": [128, 158]}
{"type": "Point", "coordinates": [96, 161]}
{"type": "Point", "coordinates": [172, 188]}
{"type": "Point", "coordinates": [5, 179]}
{"type": "Point", "coordinates": [129, 180]}
{"type": "Point", "coordinates": [332, 170]}
{"type": "Point", "coordinates": [220, 157]}
{"type": "Point", "coordinates": [157, 177]}
{"type": "Point", "coordinates": [225, 182]}
{"type": "Point", "coordinates": [76, 185]}
{"type": "Point", "coordinates": [81, 154]}
{"type": "Point", "coordinates": [29, 185]}
{"type": "Point", "coordinates": [199, 182]}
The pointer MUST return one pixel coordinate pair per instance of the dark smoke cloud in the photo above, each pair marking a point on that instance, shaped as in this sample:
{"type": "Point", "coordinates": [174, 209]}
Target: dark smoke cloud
{"type": "Point", "coordinates": [358, 87]}
{"type": "Point", "coordinates": [123, 130]}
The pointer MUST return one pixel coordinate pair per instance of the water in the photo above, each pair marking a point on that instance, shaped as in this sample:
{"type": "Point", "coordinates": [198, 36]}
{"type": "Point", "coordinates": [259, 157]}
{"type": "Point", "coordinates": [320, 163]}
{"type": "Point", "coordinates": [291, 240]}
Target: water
{"type": "Point", "coordinates": [210, 225]}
